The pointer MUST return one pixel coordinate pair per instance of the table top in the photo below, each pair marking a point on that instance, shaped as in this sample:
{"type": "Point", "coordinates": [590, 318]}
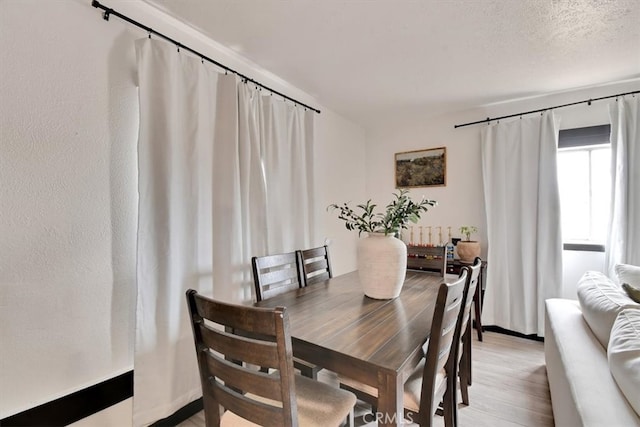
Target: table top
{"type": "Point", "coordinates": [334, 325]}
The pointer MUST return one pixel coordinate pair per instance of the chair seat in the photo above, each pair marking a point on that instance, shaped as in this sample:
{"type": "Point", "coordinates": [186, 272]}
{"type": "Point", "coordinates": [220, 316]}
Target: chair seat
{"type": "Point", "coordinates": [319, 404]}
{"type": "Point", "coordinates": [412, 387]}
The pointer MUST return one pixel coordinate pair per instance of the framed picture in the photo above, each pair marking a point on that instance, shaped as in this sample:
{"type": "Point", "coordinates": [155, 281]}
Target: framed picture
{"type": "Point", "coordinates": [421, 168]}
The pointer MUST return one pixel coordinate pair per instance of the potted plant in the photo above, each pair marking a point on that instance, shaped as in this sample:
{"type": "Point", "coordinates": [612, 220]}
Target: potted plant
{"type": "Point", "coordinates": [468, 249]}
{"type": "Point", "coordinates": [382, 257]}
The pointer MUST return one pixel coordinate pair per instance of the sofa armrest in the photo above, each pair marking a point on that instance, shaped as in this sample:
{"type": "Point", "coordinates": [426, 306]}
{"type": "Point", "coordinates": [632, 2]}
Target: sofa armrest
{"type": "Point", "coordinates": [583, 392]}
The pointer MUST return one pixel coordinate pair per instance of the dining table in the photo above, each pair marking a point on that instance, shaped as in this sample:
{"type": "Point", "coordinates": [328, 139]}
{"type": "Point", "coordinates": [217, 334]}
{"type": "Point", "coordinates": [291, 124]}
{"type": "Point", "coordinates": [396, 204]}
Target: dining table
{"type": "Point", "coordinates": [377, 342]}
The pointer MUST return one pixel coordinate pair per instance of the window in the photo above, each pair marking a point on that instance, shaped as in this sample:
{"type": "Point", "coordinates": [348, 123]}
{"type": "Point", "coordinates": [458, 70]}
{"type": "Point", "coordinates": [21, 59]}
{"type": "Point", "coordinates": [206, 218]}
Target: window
{"type": "Point", "coordinates": [584, 178]}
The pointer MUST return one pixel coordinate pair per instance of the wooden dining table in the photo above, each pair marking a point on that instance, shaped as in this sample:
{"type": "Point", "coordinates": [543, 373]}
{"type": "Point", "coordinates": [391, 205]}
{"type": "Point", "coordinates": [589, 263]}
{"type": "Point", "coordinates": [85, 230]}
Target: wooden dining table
{"type": "Point", "coordinates": [377, 342]}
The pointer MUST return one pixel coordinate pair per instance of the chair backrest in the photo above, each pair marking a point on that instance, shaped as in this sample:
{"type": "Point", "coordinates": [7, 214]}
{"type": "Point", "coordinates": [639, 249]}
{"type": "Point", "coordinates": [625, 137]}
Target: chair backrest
{"type": "Point", "coordinates": [473, 273]}
{"type": "Point", "coordinates": [445, 329]}
{"type": "Point", "coordinates": [315, 265]}
{"type": "Point", "coordinates": [275, 274]}
{"type": "Point", "coordinates": [224, 351]}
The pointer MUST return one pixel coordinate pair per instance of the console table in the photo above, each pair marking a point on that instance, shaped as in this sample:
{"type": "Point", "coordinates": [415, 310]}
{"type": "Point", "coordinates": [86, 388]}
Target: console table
{"type": "Point", "coordinates": [427, 258]}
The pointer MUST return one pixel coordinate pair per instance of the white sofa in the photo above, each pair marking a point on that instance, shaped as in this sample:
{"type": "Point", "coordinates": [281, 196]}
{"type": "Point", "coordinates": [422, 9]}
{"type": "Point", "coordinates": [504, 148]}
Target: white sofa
{"type": "Point", "coordinates": [583, 390]}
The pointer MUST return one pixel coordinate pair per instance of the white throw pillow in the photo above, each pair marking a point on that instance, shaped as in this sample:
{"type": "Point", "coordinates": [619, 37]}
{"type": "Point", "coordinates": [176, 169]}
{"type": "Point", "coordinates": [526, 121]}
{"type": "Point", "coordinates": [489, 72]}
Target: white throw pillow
{"type": "Point", "coordinates": [601, 300]}
{"type": "Point", "coordinates": [624, 355]}
{"type": "Point", "coordinates": [628, 273]}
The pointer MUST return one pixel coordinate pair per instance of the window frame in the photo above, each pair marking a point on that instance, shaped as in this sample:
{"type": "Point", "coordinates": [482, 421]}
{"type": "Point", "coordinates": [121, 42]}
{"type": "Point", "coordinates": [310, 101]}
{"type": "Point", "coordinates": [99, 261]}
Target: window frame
{"type": "Point", "coordinates": [586, 138]}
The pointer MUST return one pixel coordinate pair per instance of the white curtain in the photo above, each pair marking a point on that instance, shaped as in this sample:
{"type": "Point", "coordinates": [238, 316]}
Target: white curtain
{"type": "Point", "coordinates": [523, 222]}
{"type": "Point", "coordinates": [225, 173]}
{"type": "Point", "coordinates": [623, 245]}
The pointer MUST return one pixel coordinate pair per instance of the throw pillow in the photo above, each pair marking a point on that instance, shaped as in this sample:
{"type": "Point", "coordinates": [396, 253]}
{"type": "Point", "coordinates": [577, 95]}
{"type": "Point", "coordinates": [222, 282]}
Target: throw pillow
{"type": "Point", "coordinates": [624, 355]}
{"type": "Point", "coordinates": [601, 300]}
{"type": "Point", "coordinates": [633, 293]}
{"type": "Point", "coordinates": [628, 273]}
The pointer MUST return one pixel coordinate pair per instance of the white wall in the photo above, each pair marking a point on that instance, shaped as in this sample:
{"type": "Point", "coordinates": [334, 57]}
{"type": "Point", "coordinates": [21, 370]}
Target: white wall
{"type": "Point", "coordinates": [68, 189]}
{"type": "Point", "coordinates": [68, 197]}
{"type": "Point", "coordinates": [461, 202]}
{"type": "Point", "coordinates": [340, 177]}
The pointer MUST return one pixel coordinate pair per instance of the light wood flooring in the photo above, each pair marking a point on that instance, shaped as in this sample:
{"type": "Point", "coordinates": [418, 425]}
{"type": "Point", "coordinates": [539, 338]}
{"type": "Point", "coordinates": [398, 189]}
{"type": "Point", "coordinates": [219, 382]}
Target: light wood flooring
{"type": "Point", "coordinates": [509, 387]}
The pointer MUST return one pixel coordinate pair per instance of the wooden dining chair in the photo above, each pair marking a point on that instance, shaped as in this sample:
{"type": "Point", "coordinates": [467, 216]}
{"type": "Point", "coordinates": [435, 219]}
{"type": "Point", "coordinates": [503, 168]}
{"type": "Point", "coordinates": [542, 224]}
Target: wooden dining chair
{"type": "Point", "coordinates": [279, 398]}
{"type": "Point", "coordinates": [275, 274]}
{"type": "Point", "coordinates": [434, 378]}
{"type": "Point", "coordinates": [315, 265]}
{"type": "Point", "coordinates": [464, 348]}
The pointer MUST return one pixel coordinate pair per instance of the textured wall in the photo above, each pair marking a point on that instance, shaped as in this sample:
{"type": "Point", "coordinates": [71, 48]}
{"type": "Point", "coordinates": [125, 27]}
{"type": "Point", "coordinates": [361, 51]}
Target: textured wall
{"type": "Point", "coordinates": [68, 190]}
{"type": "Point", "coordinates": [68, 174]}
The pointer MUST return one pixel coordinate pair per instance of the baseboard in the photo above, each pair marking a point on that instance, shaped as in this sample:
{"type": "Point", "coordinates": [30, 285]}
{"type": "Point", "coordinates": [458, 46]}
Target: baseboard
{"type": "Point", "coordinates": [500, 330]}
{"type": "Point", "coordinates": [180, 415]}
{"type": "Point", "coordinates": [76, 406]}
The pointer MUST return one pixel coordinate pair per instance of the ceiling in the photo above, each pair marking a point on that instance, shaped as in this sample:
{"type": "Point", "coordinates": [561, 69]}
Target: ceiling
{"type": "Point", "coordinates": [368, 59]}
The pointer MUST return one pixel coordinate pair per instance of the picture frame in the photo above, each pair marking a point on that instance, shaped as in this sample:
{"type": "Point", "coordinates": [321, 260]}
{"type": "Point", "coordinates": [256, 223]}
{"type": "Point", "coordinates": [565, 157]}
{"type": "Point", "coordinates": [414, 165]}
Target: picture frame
{"type": "Point", "coordinates": [421, 168]}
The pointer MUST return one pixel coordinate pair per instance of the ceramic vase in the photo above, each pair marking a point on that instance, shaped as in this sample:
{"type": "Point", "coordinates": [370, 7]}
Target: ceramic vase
{"type": "Point", "coordinates": [468, 250]}
{"type": "Point", "coordinates": [382, 265]}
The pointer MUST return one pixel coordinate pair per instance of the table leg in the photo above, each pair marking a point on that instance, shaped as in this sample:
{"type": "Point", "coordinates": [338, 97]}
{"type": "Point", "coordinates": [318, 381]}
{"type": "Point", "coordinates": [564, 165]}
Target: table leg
{"type": "Point", "coordinates": [390, 400]}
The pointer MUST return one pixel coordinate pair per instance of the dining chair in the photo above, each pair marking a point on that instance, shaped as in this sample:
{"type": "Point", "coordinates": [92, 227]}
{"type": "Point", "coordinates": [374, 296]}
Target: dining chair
{"type": "Point", "coordinates": [464, 348]}
{"type": "Point", "coordinates": [248, 395]}
{"type": "Point", "coordinates": [275, 274]}
{"type": "Point", "coordinates": [434, 378]}
{"type": "Point", "coordinates": [315, 265]}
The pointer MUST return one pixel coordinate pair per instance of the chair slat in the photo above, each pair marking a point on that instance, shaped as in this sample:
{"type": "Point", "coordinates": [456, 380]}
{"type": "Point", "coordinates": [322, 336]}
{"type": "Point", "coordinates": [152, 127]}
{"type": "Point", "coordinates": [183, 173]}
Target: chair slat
{"type": "Point", "coordinates": [260, 321]}
{"type": "Point", "coordinates": [240, 377]}
{"type": "Point", "coordinates": [256, 352]}
{"type": "Point", "coordinates": [317, 265]}
{"type": "Point", "coordinates": [314, 252]}
{"type": "Point", "coordinates": [284, 276]}
{"type": "Point", "coordinates": [270, 261]}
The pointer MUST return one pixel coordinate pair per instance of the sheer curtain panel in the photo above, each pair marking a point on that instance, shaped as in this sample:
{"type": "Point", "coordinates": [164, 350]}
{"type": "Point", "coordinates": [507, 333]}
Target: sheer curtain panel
{"type": "Point", "coordinates": [523, 222]}
{"type": "Point", "coordinates": [225, 173]}
{"type": "Point", "coordinates": [623, 245]}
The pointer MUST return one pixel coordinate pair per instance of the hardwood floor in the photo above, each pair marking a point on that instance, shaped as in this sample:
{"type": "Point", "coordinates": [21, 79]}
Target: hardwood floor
{"type": "Point", "coordinates": [509, 387]}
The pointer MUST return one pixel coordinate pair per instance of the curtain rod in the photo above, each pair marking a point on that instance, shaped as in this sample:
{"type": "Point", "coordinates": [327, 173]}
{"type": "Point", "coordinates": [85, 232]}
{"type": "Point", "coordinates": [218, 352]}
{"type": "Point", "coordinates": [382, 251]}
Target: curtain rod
{"type": "Point", "coordinates": [586, 101]}
{"type": "Point", "coordinates": [109, 11]}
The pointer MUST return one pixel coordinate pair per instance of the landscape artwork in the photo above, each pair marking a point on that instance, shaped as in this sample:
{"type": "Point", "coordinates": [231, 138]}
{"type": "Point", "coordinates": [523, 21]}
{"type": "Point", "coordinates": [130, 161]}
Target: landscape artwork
{"type": "Point", "coordinates": [421, 168]}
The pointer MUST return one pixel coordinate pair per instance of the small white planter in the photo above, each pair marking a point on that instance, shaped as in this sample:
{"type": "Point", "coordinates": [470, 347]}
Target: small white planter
{"type": "Point", "coordinates": [382, 265]}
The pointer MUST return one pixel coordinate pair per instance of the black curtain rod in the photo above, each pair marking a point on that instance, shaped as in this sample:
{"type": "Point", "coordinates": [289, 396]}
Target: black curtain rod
{"type": "Point", "coordinates": [587, 101]}
{"type": "Point", "coordinates": [109, 11]}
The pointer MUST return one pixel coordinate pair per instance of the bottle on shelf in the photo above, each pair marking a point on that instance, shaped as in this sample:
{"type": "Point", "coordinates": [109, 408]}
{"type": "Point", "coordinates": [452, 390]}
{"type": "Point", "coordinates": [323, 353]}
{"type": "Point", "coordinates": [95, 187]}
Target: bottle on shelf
{"type": "Point", "coordinates": [450, 247]}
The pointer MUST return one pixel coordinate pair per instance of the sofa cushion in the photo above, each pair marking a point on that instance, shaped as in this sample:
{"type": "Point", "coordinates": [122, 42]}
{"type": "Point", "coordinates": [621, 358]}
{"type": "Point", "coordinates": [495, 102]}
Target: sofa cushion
{"type": "Point", "coordinates": [624, 355]}
{"type": "Point", "coordinates": [628, 273]}
{"type": "Point", "coordinates": [601, 300]}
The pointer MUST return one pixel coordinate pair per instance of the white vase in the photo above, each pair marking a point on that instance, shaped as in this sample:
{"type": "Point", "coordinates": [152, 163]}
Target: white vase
{"type": "Point", "coordinates": [382, 265]}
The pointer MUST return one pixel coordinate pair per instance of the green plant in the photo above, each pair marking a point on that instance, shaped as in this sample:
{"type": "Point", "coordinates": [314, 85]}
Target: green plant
{"type": "Point", "coordinates": [468, 230]}
{"type": "Point", "coordinates": [396, 216]}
